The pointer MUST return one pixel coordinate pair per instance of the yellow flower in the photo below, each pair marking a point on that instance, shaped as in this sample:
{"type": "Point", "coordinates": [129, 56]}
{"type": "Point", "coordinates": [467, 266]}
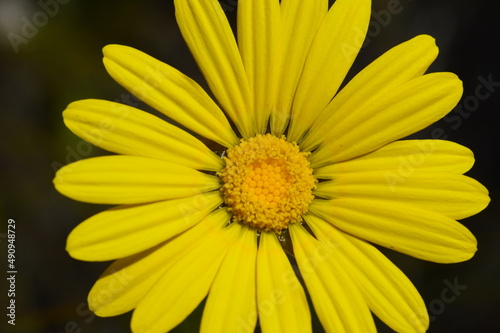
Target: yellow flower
{"type": "Point", "coordinates": [306, 167]}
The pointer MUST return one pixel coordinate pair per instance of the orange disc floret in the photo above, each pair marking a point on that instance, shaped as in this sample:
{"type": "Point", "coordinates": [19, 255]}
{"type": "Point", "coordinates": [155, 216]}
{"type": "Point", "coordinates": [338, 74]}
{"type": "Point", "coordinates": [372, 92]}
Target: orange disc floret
{"type": "Point", "coordinates": [268, 182]}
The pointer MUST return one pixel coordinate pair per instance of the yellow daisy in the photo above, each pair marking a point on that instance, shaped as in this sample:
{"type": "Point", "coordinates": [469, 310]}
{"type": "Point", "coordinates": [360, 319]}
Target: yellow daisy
{"type": "Point", "coordinates": [305, 167]}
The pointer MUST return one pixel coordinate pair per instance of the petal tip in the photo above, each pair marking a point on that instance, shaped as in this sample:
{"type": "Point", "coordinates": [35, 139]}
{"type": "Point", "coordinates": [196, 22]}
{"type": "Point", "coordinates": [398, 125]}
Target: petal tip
{"type": "Point", "coordinates": [111, 48]}
{"type": "Point", "coordinates": [425, 38]}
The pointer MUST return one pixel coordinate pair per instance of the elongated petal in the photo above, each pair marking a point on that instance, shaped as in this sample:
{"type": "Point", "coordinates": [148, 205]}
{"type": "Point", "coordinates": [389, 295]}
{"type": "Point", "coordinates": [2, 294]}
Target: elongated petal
{"type": "Point", "coordinates": [337, 301]}
{"type": "Point", "coordinates": [128, 280]}
{"type": "Point", "coordinates": [403, 158]}
{"type": "Point", "coordinates": [208, 35]}
{"type": "Point", "coordinates": [407, 109]}
{"type": "Point", "coordinates": [259, 32]}
{"type": "Point", "coordinates": [332, 53]}
{"type": "Point", "coordinates": [128, 131]}
{"type": "Point", "coordinates": [404, 228]}
{"type": "Point", "coordinates": [300, 22]}
{"type": "Point", "coordinates": [281, 298]}
{"type": "Point", "coordinates": [452, 195]}
{"type": "Point", "coordinates": [388, 292]}
{"type": "Point", "coordinates": [124, 283]}
{"type": "Point", "coordinates": [168, 91]}
{"type": "Point", "coordinates": [231, 304]}
{"type": "Point", "coordinates": [184, 285]}
{"type": "Point", "coordinates": [130, 180]}
{"type": "Point", "coordinates": [125, 230]}
{"type": "Point", "coordinates": [402, 63]}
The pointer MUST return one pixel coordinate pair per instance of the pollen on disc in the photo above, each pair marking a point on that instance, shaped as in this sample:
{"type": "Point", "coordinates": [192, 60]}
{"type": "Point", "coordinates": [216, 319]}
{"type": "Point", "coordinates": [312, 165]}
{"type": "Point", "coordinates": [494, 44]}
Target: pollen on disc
{"type": "Point", "coordinates": [268, 182]}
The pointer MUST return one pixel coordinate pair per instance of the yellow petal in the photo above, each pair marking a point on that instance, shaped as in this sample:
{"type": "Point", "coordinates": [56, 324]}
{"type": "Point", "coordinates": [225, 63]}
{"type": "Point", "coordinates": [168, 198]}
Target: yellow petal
{"type": "Point", "coordinates": [337, 301]}
{"type": "Point", "coordinates": [388, 292]}
{"type": "Point", "coordinates": [402, 63]}
{"type": "Point", "coordinates": [300, 21]}
{"type": "Point", "coordinates": [208, 35]}
{"type": "Point", "coordinates": [401, 227]}
{"type": "Point", "coordinates": [335, 46]}
{"type": "Point", "coordinates": [122, 231]}
{"type": "Point", "coordinates": [259, 30]}
{"type": "Point", "coordinates": [405, 157]}
{"type": "Point", "coordinates": [455, 196]}
{"type": "Point", "coordinates": [124, 283]}
{"type": "Point", "coordinates": [128, 131]}
{"type": "Point", "coordinates": [130, 180]}
{"type": "Point", "coordinates": [231, 304]}
{"type": "Point", "coordinates": [128, 280]}
{"type": "Point", "coordinates": [184, 284]}
{"type": "Point", "coordinates": [168, 91]}
{"type": "Point", "coordinates": [281, 299]}
{"type": "Point", "coordinates": [407, 109]}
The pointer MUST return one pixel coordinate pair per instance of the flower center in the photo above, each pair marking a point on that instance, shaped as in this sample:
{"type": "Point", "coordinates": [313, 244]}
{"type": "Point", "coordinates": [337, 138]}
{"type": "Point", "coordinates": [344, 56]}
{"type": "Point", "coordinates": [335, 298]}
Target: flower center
{"type": "Point", "coordinates": [268, 182]}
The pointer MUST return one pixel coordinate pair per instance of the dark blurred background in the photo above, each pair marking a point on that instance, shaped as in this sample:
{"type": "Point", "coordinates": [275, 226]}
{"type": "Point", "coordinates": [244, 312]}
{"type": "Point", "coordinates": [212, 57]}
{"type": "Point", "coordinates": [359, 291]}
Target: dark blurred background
{"type": "Point", "coordinates": [57, 60]}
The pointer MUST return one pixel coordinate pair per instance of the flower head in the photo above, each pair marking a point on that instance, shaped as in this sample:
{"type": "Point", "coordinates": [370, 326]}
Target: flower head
{"type": "Point", "coordinates": [319, 170]}
{"type": "Point", "coordinates": [268, 183]}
